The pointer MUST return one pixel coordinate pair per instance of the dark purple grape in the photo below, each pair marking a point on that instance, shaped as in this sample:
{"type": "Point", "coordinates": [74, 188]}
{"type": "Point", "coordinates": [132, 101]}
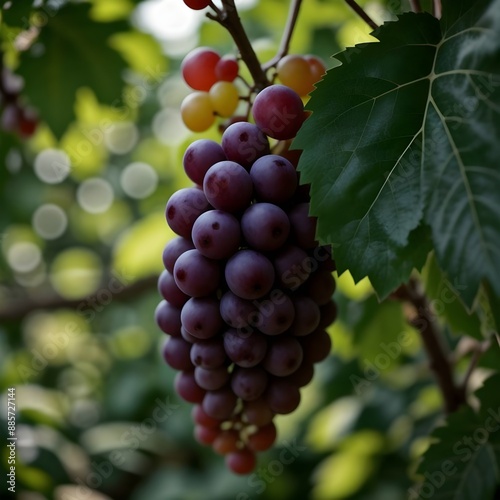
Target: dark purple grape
{"type": "Point", "coordinates": [199, 156]}
{"type": "Point", "coordinates": [200, 316]}
{"type": "Point", "coordinates": [293, 266]}
{"type": "Point", "coordinates": [303, 226]}
{"type": "Point", "coordinates": [213, 379]}
{"type": "Point", "coordinates": [328, 314]}
{"type": "Point", "coordinates": [303, 375]}
{"type": "Point", "coordinates": [307, 316]}
{"type": "Point", "coordinates": [278, 111]}
{"type": "Point", "coordinates": [275, 313]}
{"type": "Point", "coordinates": [220, 403]}
{"type": "Point", "coordinates": [216, 234]}
{"type": "Point", "coordinates": [185, 385]}
{"type": "Point", "coordinates": [249, 274]}
{"type": "Point", "coordinates": [316, 346]}
{"type": "Point", "coordinates": [284, 356]}
{"type": "Point", "coordinates": [196, 275]}
{"type": "Point", "coordinates": [176, 352]}
{"type": "Point", "coordinates": [173, 249]}
{"type": "Point", "coordinates": [245, 349]}
{"type": "Point", "coordinates": [282, 396]}
{"type": "Point", "coordinates": [257, 412]}
{"type": "Point", "coordinates": [265, 226]}
{"type": "Point", "coordinates": [320, 286]}
{"type": "Point", "coordinates": [183, 208]}
{"type": "Point", "coordinates": [168, 318]}
{"type": "Point", "coordinates": [274, 179]}
{"type": "Point", "coordinates": [170, 291]}
{"type": "Point", "coordinates": [228, 186]}
{"type": "Point", "coordinates": [188, 337]}
{"type": "Point", "coordinates": [236, 312]}
{"type": "Point", "coordinates": [249, 383]}
{"type": "Point", "coordinates": [244, 142]}
{"type": "Point", "coordinates": [209, 354]}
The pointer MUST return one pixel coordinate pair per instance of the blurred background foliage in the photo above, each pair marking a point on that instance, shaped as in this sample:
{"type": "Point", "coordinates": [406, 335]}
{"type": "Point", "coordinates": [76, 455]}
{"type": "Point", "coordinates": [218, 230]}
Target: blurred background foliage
{"type": "Point", "coordinates": [82, 231]}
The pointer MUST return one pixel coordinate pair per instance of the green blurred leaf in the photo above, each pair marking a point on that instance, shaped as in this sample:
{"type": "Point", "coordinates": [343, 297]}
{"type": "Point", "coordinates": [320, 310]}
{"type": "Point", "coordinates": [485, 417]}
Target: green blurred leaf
{"type": "Point", "coordinates": [464, 460]}
{"type": "Point", "coordinates": [391, 142]}
{"type": "Point", "coordinates": [72, 51]}
{"type": "Point", "coordinates": [16, 13]}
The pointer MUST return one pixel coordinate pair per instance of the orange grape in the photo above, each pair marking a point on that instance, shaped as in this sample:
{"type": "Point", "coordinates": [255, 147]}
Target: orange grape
{"type": "Point", "coordinates": [197, 111]}
{"type": "Point", "coordinates": [295, 72]}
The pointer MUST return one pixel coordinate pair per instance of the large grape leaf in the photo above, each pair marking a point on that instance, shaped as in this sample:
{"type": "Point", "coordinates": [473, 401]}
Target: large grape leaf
{"type": "Point", "coordinates": [72, 51]}
{"type": "Point", "coordinates": [463, 462]}
{"type": "Point", "coordinates": [404, 131]}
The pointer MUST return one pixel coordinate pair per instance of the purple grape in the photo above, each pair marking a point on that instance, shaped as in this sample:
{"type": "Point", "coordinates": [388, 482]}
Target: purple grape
{"type": "Point", "coordinates": [211, 380]}
{"type": "Point", "coordinates": [249, 274]}
{"type": "Point", "coordinates": [228, 186]}
{"type": "Point", "coordinates": [196, 275]}
{"type": "Point", "coordinates": [220, 403]}
{"type": "Point", "coordinates": [257, 412]}
{"type": "Point", "coordinates": [275, 313]}
{"type": "Point", "coordinates": [200, 316]}
{"type": "Point", "coordinates": [209, 354]}
{"type": "Point", "coordinates": [249, 383]}
{"type": "Point", "coordinates": [274, 179]}
{"type": "Point", "coordinates": [316, 346]}
{"type": "Point", "coordinates": [185, 385]}
{"type": "Point", "coordinates": [282, 396]}
{"type": "Point", "coordinates": [303, 375]}
{"type": "Point", "coordinates": [278, 111]}
{"type": "Point", "coordinates": [265, 226]}
{"type": "Point", "coordinates": [284, 356]}
{"type": "Point", "coordinates": [199, 156]}
{"type": "Point", "coordinates": [216, 234]}
{"type": "Point", "coordinates": [173, 249]}
{"type": "Point", "coordinates": [236, 312]}
{"type": "Point", "coordinates": [307, 316]}
{"type": "Point", "coordinates": [328, 314]}
{"type": "Point", "coordinates": [245, 350]}
{"type": "Point", "coordinates": [176, 352]}
{"type": "Point", "coordinates": [188, 337]}
{"type": "Point", "coordinates": [320, 286]}
{"type": "Point", "coordinates": [303, 226]}
{"type": "Point", "coordinates": [183, 208]}
{"type": "Point", "coordinates": [293, 266]}
{"type": "Point", "coordinates": [244, 142]}
{"type": "Point", "coordinates": [170, 291]}
{"type": "Point", "coordinates": [168, 318]}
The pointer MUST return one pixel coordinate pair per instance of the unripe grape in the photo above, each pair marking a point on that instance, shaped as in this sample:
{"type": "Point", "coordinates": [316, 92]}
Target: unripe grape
{"type": "Point", "coordinates": [197, 4]}
{"type": "Point", "coordinates": [227, 69]}
{"type": "Point", "coordinates": [318, 69]}
{"type": "Point", "coordinates": [225, 98]}
{"type": "Point", "coordinates": [198, 68]}
{"type": "Point", "coordinates": [295, 72]}
{"type": "Point", "coordinates": [197, 111]}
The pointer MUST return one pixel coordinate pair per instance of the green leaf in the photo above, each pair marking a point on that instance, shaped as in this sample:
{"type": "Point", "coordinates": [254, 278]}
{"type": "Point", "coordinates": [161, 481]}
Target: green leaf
{"type": "Point", "coordinates": [16, 13]}
{"type": "Point", "coordinates": [71, 52]}
{"type": "Point", "coordinates": [464, 460]}
{"type": "Point", "coordinates": [390, 144]}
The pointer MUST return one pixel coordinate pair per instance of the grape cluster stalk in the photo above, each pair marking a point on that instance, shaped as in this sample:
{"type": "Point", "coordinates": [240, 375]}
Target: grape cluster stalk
{"type": "Point", "coordinates": [247, 289]}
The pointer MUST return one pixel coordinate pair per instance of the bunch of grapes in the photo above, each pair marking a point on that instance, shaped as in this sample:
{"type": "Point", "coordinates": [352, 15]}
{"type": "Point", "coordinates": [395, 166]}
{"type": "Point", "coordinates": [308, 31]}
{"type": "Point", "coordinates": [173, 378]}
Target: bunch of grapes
{"type": "Point", "coordinates": [247, 289]}
{"type": "Point", "coordinates": [14, 116]}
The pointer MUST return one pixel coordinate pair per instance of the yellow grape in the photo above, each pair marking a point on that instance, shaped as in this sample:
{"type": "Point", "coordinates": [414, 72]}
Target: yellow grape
{"type": "Point", "coordinates": [225, 98]}
{"type": "Point", "coordinates": [318, 69]}
{"type": "Point", "coordinates": [197, 111]}
{"type": "Point", "coordinates": [295, 72]}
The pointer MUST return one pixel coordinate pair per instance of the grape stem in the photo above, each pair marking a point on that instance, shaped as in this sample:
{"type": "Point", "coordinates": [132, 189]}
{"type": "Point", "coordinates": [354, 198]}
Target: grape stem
{"type": "Point", "coordinates": [229, 18]}
{"type": "Point", "coordinates": [362, 14]}
{"type": "Point", "coordinates": [478, 350]}
{"type": "Point", "coordinates": [423, 320]}
{"type": "Point", "coordinates": [437, 9]}
{"type": "Point", "coordinates": [291, 21]}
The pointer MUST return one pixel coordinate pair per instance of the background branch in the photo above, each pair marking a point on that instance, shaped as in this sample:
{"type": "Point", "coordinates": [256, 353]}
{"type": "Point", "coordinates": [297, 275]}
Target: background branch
{"type": "Point", "coordinates": [362, 14]}
{"type": "Point", "coordinates": [439, 359]}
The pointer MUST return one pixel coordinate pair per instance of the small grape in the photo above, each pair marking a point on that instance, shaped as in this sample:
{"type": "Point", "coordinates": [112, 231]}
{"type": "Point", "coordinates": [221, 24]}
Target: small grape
{"type": "Point", "coordinates": [197, 4]}
{"type": "Point", "coordinates": [237, 312]}
{"type": "Point", "coordinates": [228, 186]}
{"type": "Point", "coordinates": [225, 98]}
{"type": "Point", "coordinates": [317, 67]}
{"type": "Point", "coordinates": [328, 314]}
{"type": "Point", "coordinates": [198, 68]}
{"type": "Point", "coordinates": [241, 461]}
{"type": "Point", "coordinates": [303, 375]}
{"type": "Point", "coordinates": [185, 385]}
{"type": "Point", "coordinates": [282, 396]}
{"type": "Point", "coordinates": [197, 111]}
{"type": "Point", "coordinates": [227, 442]}
{"type": "Point", "coordinates": [209, 354]}
{"type": "Point", "coordinates": [219, 403]}
{"type": "Point", "coordinates": [211, 379]}
{"type": "Point", "coordinates": [316, 346]}
{"type": "Point", "coordinates": [173, 249]}
{"type": "Point", "coordinates": [307, 316]}
{"type": "Point", "coordinates": [168, 318]}
{"type": "Point", "coordinates": [205, 435]}
{"type": "Point", "coordinates": [201, 418]}
{"type": "Point", "coordinates": [199, 156]}
{"type": "Point", "coordinates": [303, 226]}
{"type": "Point", "coordinates": [257, 412]}
{"type": "Point", "coordinates": [176, 352]}
{"type": "Point", "coordinates": [295, 72]}
{"type": "Point", "coordinates": [320, 286]}
{"type": "Point", "coordinates": [275, 314]}
{"type": "Point", "coordinates": [227, 69]}
{"type": "Point", "coordinates": [274, 179]}
{"type": "Point", "coordinates": [245, 350]}
{"type": "Point", "coordinates": [262, 439]}
{"type": "Point", "coordinates": [201, 318]}
{"type": "Point", "coordinates": [278, 111]}
{"type": "Point", "coordinates": [249, 383]}
{"type": "Point", "coordinates": [190, 267]}
{"type": "Point", "coordinates": [292, 266]}
{"type": "Point", "coordinates": [283, 357]}
{"type": "Point", "coordinates": [244, 143]}
{"type": "Point", "coordinates": [170, 291]}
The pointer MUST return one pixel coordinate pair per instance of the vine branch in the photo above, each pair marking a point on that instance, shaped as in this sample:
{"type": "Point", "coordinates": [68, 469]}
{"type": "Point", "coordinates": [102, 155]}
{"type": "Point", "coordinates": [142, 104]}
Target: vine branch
{"type": "Point", "coordinates": [415, 6]}
{"type": "Point", "coordinates": [361, 13]}
{"type": "Point", "coordinates": [291, 21]}
{"type": "Point", "coordinates": [229, 18]}
{"type": "Point", "coordinates": [439, 359]}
